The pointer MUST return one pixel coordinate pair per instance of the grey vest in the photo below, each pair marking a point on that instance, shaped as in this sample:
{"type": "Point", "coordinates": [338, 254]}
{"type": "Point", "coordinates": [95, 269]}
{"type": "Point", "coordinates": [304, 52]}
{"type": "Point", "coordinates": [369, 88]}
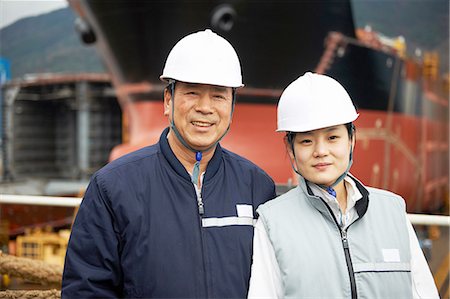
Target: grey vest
{"type": "Point", "coordinates": [319, 260]}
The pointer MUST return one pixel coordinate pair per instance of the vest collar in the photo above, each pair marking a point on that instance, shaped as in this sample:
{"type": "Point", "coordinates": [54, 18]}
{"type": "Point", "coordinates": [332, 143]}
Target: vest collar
{"type": "Point", "coordinates": [360, 206]}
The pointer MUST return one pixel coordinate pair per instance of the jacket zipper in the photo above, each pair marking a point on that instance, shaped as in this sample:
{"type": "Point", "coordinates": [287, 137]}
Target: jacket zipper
{"type": "Point", "coordinates": [201, 212]}
{"type": "Point", "coordinates": [201, 208]}
{"type": "Point", "coordinates": [348, 259]}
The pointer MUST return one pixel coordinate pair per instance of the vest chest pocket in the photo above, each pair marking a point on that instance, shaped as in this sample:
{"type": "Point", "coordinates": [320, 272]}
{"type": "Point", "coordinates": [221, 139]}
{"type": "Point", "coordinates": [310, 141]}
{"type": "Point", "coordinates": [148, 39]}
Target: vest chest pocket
{"type": "Point", "coordinates": [381, 267]}
{"type": "Point", "coordinates": [383, 280]}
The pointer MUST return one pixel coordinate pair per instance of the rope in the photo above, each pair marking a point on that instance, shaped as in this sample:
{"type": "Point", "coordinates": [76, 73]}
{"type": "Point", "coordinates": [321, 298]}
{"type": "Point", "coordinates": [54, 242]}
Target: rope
{"type": "Point", "coordinates": [33, 270]}
{"type": "Point", "coordinates": [47, 294]}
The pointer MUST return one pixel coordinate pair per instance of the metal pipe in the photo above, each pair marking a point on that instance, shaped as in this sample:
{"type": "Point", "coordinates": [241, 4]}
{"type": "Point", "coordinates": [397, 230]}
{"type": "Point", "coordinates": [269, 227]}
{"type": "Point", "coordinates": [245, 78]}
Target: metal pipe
{"type": "Point", "coordinates": [423, 219]}
{"type": "Point", "coordinates": [416, 219]}
{"type": "Point", "coordinates": [40, 200]}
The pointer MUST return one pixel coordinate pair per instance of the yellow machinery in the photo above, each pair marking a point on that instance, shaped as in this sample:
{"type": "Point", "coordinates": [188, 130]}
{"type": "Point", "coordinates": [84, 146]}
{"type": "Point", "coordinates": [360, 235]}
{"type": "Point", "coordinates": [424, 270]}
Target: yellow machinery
{"type": "Point", "coordinates": [44, 245]}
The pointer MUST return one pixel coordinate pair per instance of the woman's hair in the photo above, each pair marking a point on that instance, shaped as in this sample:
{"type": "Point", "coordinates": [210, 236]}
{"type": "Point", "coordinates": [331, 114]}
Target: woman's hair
{"type": "Point", "coordinates": [350, 130]}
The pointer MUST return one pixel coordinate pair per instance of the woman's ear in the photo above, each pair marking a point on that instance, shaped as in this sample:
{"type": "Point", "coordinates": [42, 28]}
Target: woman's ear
{"type": "Point", "coordinates": [288, 146]}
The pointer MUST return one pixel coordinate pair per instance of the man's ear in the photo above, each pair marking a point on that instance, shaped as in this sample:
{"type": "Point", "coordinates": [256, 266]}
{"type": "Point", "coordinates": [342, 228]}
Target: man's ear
{"type": "Point", "coordinates": [167, 102]}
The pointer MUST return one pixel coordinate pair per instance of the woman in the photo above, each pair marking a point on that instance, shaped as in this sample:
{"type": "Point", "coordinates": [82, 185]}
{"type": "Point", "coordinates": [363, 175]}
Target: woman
{"type": "Point", "coordinates": [331, 236]}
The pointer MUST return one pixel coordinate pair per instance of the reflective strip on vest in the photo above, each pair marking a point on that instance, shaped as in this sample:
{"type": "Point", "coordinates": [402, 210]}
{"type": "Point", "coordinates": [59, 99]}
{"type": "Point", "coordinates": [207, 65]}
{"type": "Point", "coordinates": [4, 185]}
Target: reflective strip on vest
{"type": "Point", "coordinates": [227, 221]}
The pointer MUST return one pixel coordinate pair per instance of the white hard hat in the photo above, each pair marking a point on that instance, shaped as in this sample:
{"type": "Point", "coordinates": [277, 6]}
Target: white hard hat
{"type": "Point", "coordinates": [313, 102]}
{"type": "Point", "coordinates": [206, 58]}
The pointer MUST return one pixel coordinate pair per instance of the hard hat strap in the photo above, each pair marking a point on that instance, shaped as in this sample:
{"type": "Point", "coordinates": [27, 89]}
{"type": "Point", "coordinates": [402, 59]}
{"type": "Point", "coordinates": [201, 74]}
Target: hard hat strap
{"type": "Point", "coordinates": [330, 189]}
{"type": "Point", "coordinates": [198, 153]}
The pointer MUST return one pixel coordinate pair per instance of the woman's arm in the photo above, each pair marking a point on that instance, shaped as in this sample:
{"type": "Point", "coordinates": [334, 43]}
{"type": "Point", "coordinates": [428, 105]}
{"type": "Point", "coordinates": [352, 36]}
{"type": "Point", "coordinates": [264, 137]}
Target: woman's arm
{"type": "Point", "coordinates": [265, 279]}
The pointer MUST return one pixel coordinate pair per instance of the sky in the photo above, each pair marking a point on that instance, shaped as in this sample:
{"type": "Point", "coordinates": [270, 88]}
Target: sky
{"type": "Point", "coordinates": [13, 10]}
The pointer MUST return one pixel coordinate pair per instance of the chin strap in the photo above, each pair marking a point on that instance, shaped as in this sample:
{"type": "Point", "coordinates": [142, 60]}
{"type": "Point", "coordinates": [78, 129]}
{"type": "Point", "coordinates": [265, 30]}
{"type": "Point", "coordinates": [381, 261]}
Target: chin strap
{"type": "Point", "coordinates": [196, 170]}
{"type": "Point", "coordinates": [198, 153]}
{"type": "Point", "coordinates": [330, 189]}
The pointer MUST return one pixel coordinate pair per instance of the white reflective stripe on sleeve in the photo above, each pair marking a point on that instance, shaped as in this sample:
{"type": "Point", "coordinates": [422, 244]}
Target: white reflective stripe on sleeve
{"type": "Point", "coordinates": [381, 267]}
{"type": "Point", "coordinates": [227, 221]}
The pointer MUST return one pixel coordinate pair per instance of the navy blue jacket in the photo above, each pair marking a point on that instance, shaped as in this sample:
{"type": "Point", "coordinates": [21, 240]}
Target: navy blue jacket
{"type": "Point", "coordinates": [138, 232]}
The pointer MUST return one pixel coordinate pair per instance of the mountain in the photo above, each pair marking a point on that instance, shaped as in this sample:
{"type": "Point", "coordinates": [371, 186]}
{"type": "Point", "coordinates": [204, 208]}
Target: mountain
{"type": "Point", "coordinates": [49, 42]}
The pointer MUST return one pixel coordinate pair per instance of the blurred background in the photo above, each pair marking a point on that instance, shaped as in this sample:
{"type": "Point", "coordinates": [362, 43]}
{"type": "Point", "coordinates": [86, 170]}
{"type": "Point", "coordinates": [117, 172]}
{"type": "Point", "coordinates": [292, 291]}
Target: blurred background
{"type": "Point", "coordinates": [79, 88]}
{"type": "Point", "coordinates": [45, 33]}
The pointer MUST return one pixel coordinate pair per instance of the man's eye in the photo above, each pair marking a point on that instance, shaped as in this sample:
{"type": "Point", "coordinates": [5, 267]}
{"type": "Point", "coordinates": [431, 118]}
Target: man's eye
{"type": "Point", "coordinates": [305, 141]}
{"type": "Point", "coordinates": [334, 137]}
{"type": "Point", "coordinates": [219, 97]}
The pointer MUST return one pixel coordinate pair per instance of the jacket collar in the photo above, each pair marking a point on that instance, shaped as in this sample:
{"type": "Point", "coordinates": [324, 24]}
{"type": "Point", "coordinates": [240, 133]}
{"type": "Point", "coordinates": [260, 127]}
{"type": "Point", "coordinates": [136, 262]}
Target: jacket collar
{"type": "Point", "coordinates": [360, 206]}
{"type": "Point", "coordinates": [211, 168]}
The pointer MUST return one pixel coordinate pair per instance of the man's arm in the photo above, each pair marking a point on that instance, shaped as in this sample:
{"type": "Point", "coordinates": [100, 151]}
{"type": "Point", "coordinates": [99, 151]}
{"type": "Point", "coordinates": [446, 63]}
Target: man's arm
{"type": "Point", "coordinates": [92, 267]}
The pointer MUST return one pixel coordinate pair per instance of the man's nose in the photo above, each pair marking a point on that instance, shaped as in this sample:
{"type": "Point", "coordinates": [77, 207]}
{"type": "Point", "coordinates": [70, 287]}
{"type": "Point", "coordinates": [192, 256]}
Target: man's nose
{"type": "Point", "coordinates": [204, 104]}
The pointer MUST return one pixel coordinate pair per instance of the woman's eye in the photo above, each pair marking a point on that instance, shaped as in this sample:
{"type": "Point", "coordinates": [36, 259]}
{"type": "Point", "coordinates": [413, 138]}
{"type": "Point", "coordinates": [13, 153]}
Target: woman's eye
{"type": "Point", "coordinates": [334, 137]}
{"type": "Point", "coordinates": [305, 141]}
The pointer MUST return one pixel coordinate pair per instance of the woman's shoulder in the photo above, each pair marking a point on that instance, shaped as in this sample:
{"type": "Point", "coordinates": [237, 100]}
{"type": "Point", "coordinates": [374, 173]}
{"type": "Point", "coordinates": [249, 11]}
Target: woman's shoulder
{"type": "Point", "coordinates": [382, 193]}
{"type": "Point", "coordinates": [385, 197]}
{"type": "Point", "coordinates": [280, 202]}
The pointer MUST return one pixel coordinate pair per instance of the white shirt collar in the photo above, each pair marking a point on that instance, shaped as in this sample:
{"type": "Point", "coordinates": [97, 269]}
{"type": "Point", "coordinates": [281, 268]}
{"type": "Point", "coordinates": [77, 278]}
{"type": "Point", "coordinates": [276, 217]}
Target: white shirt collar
{"type": "Point", "coordinates": [353, 195]}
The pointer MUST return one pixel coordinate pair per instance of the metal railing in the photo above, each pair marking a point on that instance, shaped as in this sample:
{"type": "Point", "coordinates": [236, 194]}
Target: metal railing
{"type": "Point", "coordinates": [40, 200]}
{"type": "Point", "coordinates": [416, 219]}
{"type": "Point", "coordinates": [424, 219]}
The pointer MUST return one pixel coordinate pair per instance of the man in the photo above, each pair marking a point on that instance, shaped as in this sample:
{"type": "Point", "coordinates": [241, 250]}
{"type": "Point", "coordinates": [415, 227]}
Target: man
{"type": "Point", "coordinates": [174, 219]}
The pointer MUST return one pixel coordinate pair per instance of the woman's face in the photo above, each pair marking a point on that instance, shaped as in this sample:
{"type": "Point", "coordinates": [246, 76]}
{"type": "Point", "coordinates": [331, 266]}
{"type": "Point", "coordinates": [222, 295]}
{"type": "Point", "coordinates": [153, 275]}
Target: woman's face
{"type": "Point", "coordinates": [322, 155]}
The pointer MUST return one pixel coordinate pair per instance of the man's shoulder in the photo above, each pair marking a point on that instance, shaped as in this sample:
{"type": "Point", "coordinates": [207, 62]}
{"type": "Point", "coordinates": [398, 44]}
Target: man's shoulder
{"type": "Point", "coordinates": [236, 158]}
{"type": "Point", "coordinates": [130, 160]}
{"type": "Point", "coordinates": [243, 162]}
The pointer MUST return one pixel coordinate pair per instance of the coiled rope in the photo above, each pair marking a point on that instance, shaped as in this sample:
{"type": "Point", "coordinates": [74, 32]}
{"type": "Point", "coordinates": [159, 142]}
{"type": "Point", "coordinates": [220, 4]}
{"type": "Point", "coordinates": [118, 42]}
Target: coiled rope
{"type": "Point", "coordinates": [47, 294]}
{"type": "Point", "coordinates": [31, 270]}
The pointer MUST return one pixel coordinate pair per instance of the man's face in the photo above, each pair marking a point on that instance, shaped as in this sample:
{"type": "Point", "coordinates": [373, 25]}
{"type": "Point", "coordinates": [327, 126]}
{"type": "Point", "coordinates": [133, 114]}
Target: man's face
{"type": "Point", "coordinates": [202, 113]}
